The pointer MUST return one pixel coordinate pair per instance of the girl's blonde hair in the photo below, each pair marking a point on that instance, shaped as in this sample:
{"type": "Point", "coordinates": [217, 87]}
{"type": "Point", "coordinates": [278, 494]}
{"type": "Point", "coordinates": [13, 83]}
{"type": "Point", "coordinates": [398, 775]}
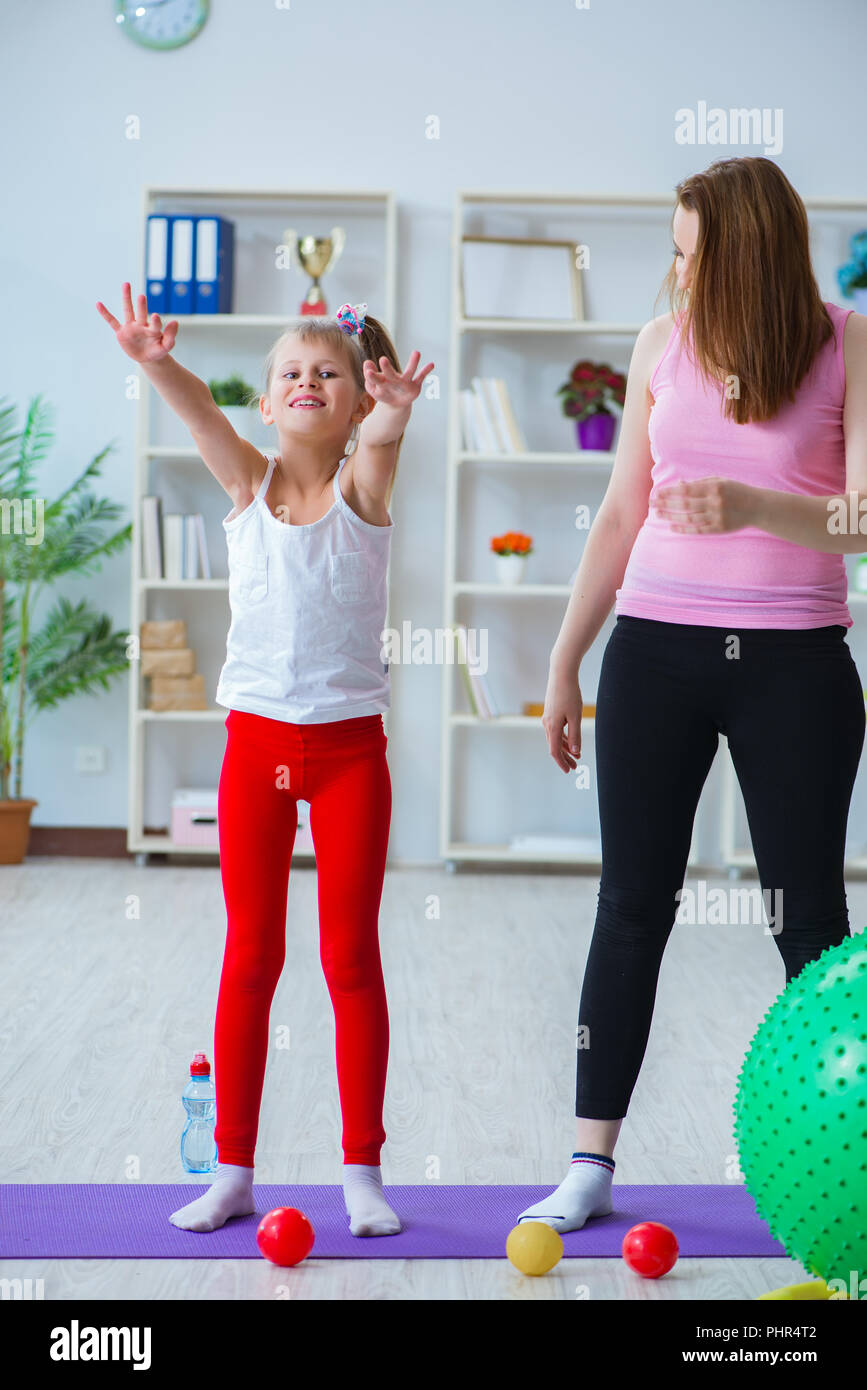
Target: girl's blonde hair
{"type": "Point", "coordinates": [754, 307]}
{"type": "Point", "coordinates": [373, 342]}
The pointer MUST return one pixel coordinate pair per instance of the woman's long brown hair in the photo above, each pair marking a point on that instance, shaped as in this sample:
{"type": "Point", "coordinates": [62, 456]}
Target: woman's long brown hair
{"type": "Point", "coordinates": [753, 310]}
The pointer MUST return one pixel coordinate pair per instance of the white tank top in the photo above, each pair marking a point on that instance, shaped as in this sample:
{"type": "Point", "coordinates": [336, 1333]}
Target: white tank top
{"type": "Point", "coordinates": [308, 610]}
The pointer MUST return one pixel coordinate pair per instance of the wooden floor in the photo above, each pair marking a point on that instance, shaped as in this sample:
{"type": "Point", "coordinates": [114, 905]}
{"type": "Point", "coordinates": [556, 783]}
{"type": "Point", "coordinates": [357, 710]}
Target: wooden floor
{"type": "Point", "coordinates": [109, 987]}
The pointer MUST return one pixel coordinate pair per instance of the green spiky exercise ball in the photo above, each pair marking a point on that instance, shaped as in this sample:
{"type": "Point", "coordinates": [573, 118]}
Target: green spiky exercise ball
{"type": "Point", "coordinates": [801, 1114]}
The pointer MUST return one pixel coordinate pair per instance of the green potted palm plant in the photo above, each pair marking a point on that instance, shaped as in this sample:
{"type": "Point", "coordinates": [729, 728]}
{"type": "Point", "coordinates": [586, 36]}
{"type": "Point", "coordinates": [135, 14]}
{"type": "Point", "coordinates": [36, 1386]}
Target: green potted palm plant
{"type": "Point", "coordinates": [72, 648]}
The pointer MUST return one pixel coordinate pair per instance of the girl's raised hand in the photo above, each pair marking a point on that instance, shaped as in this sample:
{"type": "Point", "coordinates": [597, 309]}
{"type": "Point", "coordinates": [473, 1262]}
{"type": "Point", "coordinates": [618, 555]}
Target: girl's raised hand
{"type": "Point", "coordinates": [391, 387]}
{"type": "Point", "coordinates": [142, 340]}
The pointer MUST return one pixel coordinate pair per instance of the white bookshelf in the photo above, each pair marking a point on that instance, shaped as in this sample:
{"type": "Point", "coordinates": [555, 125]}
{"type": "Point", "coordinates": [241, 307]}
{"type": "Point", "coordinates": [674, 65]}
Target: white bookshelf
{"type": "Point", "coordinates": [179, 748]}
{"type": "Point", "coordinates": [529, 215]}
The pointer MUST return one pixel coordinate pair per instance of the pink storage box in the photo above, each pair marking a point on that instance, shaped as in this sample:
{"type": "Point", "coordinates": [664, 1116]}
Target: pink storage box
{"type": "Point", "coordinates": [194, 817]}
{"type": "Point", "coordinates": [303, 838]}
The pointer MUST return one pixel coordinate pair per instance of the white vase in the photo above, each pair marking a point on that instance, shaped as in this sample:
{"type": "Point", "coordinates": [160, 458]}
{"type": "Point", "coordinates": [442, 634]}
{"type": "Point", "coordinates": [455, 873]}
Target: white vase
{"type": "Point", "coordinates": [510, 568]}
{"type": "Point", "coordinates": [244, 421]}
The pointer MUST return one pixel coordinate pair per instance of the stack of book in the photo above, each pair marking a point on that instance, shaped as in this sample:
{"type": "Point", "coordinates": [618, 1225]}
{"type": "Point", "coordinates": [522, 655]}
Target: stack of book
{"type": "Point", "coordinates": [481, 700]}
{"type": "Point", "coordinates": [487, 419]}
{"type": "Point", "coordinates": [173, 546]}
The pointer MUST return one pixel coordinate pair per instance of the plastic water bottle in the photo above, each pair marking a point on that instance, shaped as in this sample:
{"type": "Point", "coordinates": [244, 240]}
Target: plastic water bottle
{"type": "Point", "coordinates": [198, 1145]}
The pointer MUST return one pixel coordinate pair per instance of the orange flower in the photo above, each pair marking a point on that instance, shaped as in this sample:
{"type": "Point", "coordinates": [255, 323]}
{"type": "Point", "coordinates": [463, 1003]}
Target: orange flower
{"type": "Point", "coordinates": [512, 543]}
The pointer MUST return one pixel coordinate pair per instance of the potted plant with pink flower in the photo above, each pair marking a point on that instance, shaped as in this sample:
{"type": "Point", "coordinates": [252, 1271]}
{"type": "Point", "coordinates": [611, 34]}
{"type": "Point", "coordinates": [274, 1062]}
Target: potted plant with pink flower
{"type": "Point", "coordinates": [591, 387]}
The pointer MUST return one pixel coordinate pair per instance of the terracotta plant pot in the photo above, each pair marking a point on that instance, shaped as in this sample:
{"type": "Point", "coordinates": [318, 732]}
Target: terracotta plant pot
{"type": "Point", "coordinates": [15, 829]}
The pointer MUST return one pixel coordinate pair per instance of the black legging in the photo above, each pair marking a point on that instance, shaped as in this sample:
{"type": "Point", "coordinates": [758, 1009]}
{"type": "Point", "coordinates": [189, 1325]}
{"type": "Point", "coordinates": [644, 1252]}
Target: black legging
{"type": "Point", "coordinates": [792, 708]}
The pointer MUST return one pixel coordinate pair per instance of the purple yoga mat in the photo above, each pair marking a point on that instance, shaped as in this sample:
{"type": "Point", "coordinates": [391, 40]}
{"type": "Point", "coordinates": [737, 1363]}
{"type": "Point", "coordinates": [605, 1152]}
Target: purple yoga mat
{"type": "Point", "coordinates": [131, 1221]}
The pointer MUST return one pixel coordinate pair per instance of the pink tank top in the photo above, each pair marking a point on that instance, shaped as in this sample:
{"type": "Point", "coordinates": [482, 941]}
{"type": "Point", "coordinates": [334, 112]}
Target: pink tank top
{"type": "Point", "coordinates": [744, 578]}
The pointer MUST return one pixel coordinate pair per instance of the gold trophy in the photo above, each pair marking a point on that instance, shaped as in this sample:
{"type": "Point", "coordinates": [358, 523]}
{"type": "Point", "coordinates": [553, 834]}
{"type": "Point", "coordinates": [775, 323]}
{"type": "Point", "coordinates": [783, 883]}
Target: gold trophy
{"type": "Point", "coordinates": [315, 254]}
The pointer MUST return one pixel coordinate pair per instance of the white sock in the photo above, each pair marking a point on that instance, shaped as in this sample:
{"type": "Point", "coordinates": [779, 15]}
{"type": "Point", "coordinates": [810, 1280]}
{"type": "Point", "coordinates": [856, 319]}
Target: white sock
{"type": "Point", "coordinates": [230, 1194]}
{"type": "Point", "coordinates": [584, 1192]}
{"type": "Point", "coordinates": [368, 1211]}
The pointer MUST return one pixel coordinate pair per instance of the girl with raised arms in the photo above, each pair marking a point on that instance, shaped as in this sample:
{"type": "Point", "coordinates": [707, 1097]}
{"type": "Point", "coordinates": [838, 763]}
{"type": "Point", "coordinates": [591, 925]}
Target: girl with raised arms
{"type": "Point", "coordinates": [308, 542]}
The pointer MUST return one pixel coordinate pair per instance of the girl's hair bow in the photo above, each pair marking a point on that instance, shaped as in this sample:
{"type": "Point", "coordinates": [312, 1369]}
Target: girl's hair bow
{"type": "Point", "coordinates": [351, 319]}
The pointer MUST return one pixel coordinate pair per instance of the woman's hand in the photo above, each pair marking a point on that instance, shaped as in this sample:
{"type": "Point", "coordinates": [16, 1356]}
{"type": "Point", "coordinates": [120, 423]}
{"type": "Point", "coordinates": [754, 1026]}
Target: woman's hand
{"type": "Point", "coordinates": [391, 387]}
{"type": "Point", "coordinates": [141, 340]}
{"type": "Point", "coordinates": [707, 505]}
{"type": "Point", "coordinates": [563, 706]}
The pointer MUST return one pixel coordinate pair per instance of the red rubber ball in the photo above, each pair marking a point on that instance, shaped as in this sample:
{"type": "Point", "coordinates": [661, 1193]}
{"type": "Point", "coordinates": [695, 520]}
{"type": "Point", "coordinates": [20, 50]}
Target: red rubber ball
{"type": "Point", "coordinates": [650, 1249]}
{"type": "Point", "coordinates": [285, 1236]}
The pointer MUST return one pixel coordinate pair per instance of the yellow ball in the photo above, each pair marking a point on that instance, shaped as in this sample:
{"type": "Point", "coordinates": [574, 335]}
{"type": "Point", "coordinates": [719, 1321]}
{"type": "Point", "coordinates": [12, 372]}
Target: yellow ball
{"type": "Point", "coordinates": [534, 1247]}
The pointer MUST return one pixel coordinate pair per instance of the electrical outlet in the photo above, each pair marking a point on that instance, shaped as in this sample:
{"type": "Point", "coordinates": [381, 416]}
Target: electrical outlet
{"type": "Point", "coordinates": [89, 759]}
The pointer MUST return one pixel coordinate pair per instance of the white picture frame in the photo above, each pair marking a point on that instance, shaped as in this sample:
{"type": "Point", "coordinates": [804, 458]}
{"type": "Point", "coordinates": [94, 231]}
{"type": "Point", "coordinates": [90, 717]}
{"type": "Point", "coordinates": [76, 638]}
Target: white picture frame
{"type": "Point", "coordinates": [520, 278]}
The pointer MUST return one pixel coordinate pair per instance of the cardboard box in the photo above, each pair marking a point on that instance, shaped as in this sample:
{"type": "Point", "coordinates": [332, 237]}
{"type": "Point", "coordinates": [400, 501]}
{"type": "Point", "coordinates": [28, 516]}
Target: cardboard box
{"type": "Point", "coordinates": [171, 633]}
{"type": "Point", "coordinates": [178, 685]}
{"type": "Point", "coordinates": [168, 661]}
{"type": "Point", "coordinates": [161, 704]}
{"type": "Point", "coordinates": [177, 692]}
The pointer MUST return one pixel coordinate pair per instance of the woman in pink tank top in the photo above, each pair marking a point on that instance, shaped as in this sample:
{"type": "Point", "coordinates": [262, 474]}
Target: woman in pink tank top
{"type": "Point", "coordinates": [737, 490]}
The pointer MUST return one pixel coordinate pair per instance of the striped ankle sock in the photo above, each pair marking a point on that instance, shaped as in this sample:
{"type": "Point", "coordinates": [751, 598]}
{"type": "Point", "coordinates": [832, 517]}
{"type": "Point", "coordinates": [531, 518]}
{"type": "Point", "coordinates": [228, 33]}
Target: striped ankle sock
{"type": "Point", "coordinates": [593, 1158]}
{"type": "Point", "coordinates": [584, 1192]}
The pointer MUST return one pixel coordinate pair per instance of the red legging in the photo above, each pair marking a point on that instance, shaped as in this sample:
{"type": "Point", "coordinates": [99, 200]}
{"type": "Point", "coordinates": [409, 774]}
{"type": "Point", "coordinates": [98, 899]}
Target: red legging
{"type": "Point", "coordinates": [340, 768]}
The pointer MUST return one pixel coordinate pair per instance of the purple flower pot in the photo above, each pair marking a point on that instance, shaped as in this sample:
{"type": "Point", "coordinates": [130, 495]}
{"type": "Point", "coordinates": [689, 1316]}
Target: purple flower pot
{"type": "Point", "coordinates": [596, 432]}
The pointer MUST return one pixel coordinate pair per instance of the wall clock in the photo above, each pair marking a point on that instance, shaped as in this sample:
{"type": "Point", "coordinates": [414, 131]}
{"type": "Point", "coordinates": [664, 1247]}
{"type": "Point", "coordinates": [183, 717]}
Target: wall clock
{"type": "Point", "coordinates": [161, 23]}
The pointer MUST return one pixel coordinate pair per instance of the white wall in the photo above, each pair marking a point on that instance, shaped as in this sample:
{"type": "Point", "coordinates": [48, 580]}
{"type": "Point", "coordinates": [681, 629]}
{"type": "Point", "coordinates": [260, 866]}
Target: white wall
{"type": "Point", "coordinates": [543, 96]}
